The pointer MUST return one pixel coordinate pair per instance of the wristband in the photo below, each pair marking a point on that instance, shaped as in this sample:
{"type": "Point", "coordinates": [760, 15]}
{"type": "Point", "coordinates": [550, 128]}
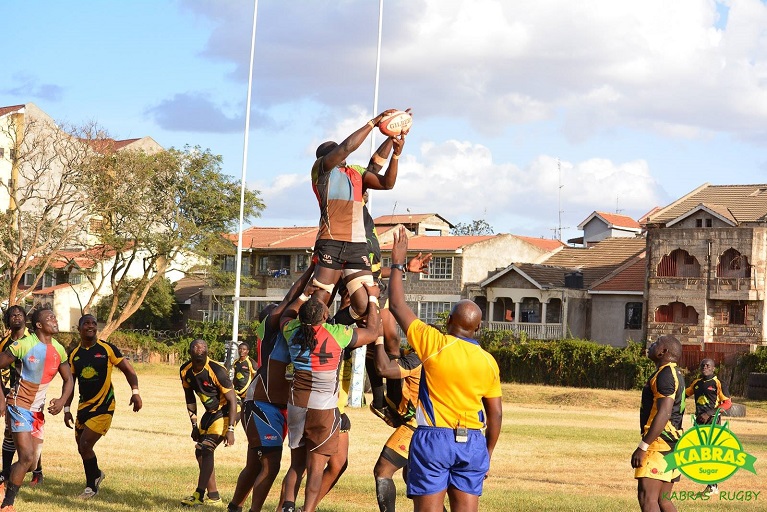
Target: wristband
{"type": "Point", "coordinates": [398, 266]}
{"type": "Point", "coordinates": [231, 428]}
{"type": "Point", "coordinates": [194, 425]}
{"type": "Point", "coordinates": [380, 340]}
{"type": "Point", "coordinates": [643, 446]}
{"type": "Point", "coordinates": [303, 297]}
{"type": "Point", "coordinates": [373, 300]}
{"type": "Point", "coordinates": [135, 391]}
{"type": "Point", "coordinates": [378, 160]}
{"type": "Point", "coordinates": [395, 157]}
{"type": "Point", "coordinates": [66, 408]}
{"type": "Point", "coordinates": [371, 123]}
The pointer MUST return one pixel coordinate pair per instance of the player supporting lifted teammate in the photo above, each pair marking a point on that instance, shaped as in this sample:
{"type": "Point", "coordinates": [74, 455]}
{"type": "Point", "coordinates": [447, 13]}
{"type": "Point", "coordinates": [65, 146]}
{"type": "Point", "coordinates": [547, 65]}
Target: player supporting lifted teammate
{"type": "Point", "coordinates": [210, 381]}
{"type": "Point", "coordinates": [341, 245]}
{"type": "Point", "coordinates": [459, 394]}
{"type": "Point", "coordinates": [92, 361]}
{"type": "Point", "coordinates": [15, 319]}
{"type": "Point", "coordinates": [710, 396]}
{"type": "Point", "coordinates": [395, 452]}
{"type": "Point", "coordinates": [38, 357]}
{"type": "Point", "coordinates": [316, 349]}
{"type": "Point", "coordinates": [660, 420]}
{"type": "Point", "coordinates": [264, 415]}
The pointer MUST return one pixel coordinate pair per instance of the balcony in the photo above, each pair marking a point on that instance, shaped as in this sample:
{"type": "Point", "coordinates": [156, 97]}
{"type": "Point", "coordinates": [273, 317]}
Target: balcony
{"type": "Point", "coordinates": [734, 288]}
{"type": "Point", "coordinates": [531, 330]}
{"type": "Point", "coordinates": [677, 283]}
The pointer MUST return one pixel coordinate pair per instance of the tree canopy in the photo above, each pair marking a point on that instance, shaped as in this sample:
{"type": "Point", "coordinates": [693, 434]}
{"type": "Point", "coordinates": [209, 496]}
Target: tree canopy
{"type": "Point", "coordinates": [473, 228]}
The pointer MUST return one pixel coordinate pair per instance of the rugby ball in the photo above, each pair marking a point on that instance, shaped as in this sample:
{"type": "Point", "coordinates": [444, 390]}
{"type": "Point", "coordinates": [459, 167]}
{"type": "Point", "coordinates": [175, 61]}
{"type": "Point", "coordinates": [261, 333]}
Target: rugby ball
{"type": "Point", "coordinates": [395, 123]}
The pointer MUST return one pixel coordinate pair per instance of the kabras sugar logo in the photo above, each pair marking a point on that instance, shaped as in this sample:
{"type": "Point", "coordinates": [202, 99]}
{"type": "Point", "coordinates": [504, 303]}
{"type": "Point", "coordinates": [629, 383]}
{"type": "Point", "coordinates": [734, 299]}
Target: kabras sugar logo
{"type": "Point", "coordinates": [709, 454]}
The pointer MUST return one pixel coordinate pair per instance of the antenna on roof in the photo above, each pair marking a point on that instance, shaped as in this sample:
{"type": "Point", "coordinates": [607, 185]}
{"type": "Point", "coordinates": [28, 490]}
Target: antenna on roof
{"type": "Point", "coordinates": [617, 198]}
{"type": "Point", "coordinates": [393, 208]}
{"type": "Point", "coordinates": [560, 211]}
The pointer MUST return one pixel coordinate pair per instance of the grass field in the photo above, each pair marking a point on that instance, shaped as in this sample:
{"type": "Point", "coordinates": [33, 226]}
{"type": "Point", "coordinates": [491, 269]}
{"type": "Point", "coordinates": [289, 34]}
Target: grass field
{"type": "Point", "coordinates": [561, 449]}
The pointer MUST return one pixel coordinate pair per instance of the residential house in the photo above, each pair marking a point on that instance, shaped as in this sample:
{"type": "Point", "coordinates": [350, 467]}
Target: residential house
{"type": "Point", "coordinates": [707, 261]}
{"type": "Point", "coordinates": [601, 225]}
{"type": "Point", "coordinates": [553, 299]}
{"type": "Point", "coordinates": [273, 258]}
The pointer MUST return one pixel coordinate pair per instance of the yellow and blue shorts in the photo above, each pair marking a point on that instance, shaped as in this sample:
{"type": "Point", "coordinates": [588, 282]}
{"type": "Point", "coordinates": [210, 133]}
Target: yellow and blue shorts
{"type": "Point", "coordinates": [397, 447]}
{"type": "Point", "coordinates": [437, 461]}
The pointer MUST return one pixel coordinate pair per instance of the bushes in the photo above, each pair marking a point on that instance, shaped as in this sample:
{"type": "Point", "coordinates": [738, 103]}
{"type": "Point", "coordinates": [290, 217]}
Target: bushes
{"type": "Point", "coordinates": [576, 363]}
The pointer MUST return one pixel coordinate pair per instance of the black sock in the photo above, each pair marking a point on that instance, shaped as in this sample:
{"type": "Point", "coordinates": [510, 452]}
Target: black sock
{"type": "Point", "coordinates": [386, 494]}
{"type": "Point", "coordinates": [92, 472]}
{"type": "Point", "coordinates": [214, 495]}
{"type": "Point", "coordinates": [200, 492]}
{"type": "Point", "coordinates": [10, 493]}
{"type": "Point", "coordinates": [288, 506]}
{"type": "Point", "coordinates": [39, 465]}
{"type": "Point", "coordinates": [394, 391]}
{"type": "Point", "coordinates": [231, 507]}
{"type": "Point", "coordinates": [9, 450]}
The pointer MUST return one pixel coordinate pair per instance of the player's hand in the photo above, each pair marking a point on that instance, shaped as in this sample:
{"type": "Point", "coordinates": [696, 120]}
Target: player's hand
{"type": "Point", "coordinates": [419, 264]}
{"type": "Point", "coordinates": [399, 143]}
{"type": "Point", "coordinates": [384, 114]}
{"type": "Point", "coordinates": [637, 458]}
{"type": "Point", "coordinates": [68, 420]}
{"type": "Point", "coordinates": [309, 289]}
{"type": "Point", "coordinates": [372, 289]}
{"type": "Point", "coordinates": [399, 248]}
{"type": "Point", "coordinates": [229, 441]}
{"type": "Point", "coordinates": [195, 433]}
{"type": "Point", "coordinates": [136, 402]}
{"type": "Point", "coordinates": [57, 404]}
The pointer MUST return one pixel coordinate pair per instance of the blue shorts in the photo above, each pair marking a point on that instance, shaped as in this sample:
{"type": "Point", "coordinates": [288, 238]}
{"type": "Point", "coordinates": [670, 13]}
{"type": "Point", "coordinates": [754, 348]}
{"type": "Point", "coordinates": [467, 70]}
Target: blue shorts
{"type": "Point", "coordinates": [24, 420]}
{"type": "Point", "coordinates": [437, 462]}
{"type": "Point", "coordinates": [265, 424]}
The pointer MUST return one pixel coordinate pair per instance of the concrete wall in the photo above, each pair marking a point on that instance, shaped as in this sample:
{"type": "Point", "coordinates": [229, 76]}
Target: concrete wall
{"type": "Point", "coordinates": [608, 318]}
{"type": "Point", "coordinates": [498, 252]}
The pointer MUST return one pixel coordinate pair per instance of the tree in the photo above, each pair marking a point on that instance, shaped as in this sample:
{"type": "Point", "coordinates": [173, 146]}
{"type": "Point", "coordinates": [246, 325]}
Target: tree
{"type": "Point", "coordinates": [158, 310]}
{"type": "Point", "coordinates": [46, 209]}
{"type": "Point", "coordinates": [475, 227]}
{"type": "Point", "coordinates": [157, 209]}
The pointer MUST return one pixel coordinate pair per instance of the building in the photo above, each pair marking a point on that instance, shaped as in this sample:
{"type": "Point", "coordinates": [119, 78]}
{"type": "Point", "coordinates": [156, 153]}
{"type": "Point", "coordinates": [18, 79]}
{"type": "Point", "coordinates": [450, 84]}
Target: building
{"type": "Point", "coordinates": [554, 299]}
{"type": "Point", "coordinates": [601, 225]}
{"type": "Point", "coordinates": [273, 258]}
{"type": "Point", "coordinates": [706, 262]}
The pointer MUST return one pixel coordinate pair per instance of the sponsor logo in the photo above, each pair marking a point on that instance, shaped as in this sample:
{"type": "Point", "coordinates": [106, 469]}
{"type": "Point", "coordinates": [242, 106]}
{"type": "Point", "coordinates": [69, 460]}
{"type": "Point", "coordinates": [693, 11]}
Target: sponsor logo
{"type": "Point", "coordinates": [709, 454]}
{"type": "Point", "coordinates": [32, 360]}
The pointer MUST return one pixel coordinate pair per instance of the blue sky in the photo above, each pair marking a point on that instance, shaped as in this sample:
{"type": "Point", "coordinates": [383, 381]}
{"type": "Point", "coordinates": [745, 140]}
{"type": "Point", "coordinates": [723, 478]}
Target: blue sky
{"type": "Point", "coordinates": [640, 104]}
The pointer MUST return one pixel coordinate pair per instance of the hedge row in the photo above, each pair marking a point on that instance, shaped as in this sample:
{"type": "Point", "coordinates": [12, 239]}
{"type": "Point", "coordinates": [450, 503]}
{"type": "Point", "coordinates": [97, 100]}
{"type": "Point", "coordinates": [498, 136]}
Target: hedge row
{"type": "Point", "coordinates": [574, 363]}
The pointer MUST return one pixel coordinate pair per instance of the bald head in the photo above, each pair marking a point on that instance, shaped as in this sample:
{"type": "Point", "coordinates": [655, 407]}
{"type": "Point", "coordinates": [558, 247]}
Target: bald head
{"type": "Point", "coordinates": [464, 319]}
{"type": "Point", "coordinates": [325, 148]}
{"type": "Point", "coordinates": [672, 345]}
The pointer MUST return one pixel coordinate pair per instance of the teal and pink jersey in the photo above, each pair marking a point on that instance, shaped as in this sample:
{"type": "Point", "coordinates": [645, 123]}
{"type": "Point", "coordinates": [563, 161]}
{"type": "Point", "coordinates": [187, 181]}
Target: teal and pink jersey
{"type": "Point", "coordinates": [339, 194]}
{"type": "Point", "coordinates": [315, 376]}
{"type": "Point", "coordinates": [37, 363]}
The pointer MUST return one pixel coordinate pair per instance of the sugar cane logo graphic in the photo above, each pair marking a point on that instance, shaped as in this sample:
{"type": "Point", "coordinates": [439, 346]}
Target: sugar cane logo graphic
{"type": "Point", "coordinates": [709, 454]}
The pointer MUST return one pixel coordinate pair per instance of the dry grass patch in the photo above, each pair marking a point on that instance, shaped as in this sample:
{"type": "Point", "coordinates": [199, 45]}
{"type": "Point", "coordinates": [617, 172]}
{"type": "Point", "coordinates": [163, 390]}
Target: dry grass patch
{"type": "Point", "coordinates": [561, 449]}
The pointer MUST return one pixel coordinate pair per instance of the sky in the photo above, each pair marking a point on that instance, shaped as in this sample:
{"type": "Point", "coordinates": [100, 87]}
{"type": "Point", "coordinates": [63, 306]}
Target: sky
{"type": "Point", "coordinates": [528, 114]}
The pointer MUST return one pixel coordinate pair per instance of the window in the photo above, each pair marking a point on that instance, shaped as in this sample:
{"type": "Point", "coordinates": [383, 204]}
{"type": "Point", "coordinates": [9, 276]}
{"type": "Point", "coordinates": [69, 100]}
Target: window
{"type": "Point", "coordinates": [95, 225]}
{"type": "Point", "coordinates": [698, 223]}
{"type": "Point", "coordinates": [48, 280]}
{"type": "Point", "coordinates": [263, 264]}
{"type": "Point", "coordinates": [633, 315]}
{"type": "Point", "coordinates": [302, 262]}
{"type": "Point", "coordinates": [12, 154]}
{"type": "Point", "coordinates": [29, 278]}
{"type": "Point", "coordinates": [440, 268]}
{"type": "Point", "coordinates": [738, 313]}
{"type": "Point", "coordinates": [228, 263]}
{"type": "Point", "coordinates": [2, 152]}
{"type": "Point", "coordinates": [709, 223]}
{"type": "Point", "coordinates": [429, 311]}
{"type": "Point", "coordinates": [245, 270]}
{"type": "Point", "coordinates": [75, 278]}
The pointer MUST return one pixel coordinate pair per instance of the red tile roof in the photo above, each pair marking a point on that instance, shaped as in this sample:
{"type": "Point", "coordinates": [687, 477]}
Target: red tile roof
{"type": "Point", "coordinates": [630, 277]}
{"type": "Point", "coordinates": [543, 243]}
{"type": "Point", "coordinates": [403, 219]}
{"type": "Point", "coordinates": [266, 238]}
{"type": "Point", "coordinates": [50, 289]}
{"type": "Point", "coordinates": [83, 259]}
{"type": "Point", "coordinates": [622, 221]}
{"type": "Point", "coordinates": [107, 145]}
{"type": "Point", "coordinates": [8, 110]}
{"type": "Point", "coordinates": [439, 243]}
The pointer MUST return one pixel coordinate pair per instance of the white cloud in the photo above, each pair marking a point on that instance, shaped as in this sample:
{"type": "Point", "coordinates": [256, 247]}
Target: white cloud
{"type": "Point", "coordinates": [461, 181]}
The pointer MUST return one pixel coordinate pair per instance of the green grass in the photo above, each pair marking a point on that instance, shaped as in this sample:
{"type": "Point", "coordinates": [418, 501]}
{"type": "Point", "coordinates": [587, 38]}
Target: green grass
{"type": "Point", "coordinates": [560, 450]}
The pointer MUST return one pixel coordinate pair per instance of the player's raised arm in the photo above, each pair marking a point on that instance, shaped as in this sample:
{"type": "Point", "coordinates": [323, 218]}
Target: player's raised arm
{"type": "Point", "coordinates": [397, 304]}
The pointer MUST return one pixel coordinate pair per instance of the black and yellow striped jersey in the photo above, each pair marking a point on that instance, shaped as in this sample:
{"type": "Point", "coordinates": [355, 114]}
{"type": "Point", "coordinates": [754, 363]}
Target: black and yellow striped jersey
{"type": "Point", "coordinates": [667, 381]}
{"type": "Point", "coordinates": [92, 370]}
{"type": "Point", "coordinates": [210, 384]}
{"type": "Point", "coordinates": [244, 371]}
{"type": "Point", "coordinates": [8, 374]}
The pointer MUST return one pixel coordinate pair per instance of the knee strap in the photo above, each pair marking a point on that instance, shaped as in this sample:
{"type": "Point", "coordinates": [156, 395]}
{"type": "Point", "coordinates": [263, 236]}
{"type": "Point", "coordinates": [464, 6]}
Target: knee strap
{"type": "Point", "coordinates": [327, 287]}
{"type": "Point", "coordinates": [355, 283]}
